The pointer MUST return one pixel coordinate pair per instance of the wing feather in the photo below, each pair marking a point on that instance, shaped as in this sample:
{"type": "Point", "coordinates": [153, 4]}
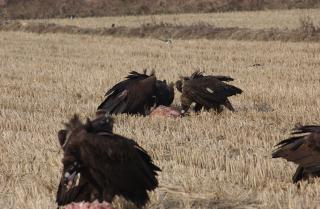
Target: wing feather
{"type": "Point", "coordinates": [126, 167]}
{"type": "Point", "coordinates": [130, 96]}
{"type": "Point", "coordinates": [303, 150]}
{"type": "Point", "coordinates": [223, 78]}
{"type": "Point", "coordinates": [209, 91]}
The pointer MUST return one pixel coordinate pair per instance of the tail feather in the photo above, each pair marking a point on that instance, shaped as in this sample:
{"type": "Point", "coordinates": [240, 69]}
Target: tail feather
{"type": "Point", "coordinates": [228, 105]}
{"type": "Point", "coordinates": [223, 78]}
{"type": "Point", "coordinates": [286, 146]}
{"type": "Point", "coordinates": [306, 129]}
{"type": "Point", "coordinates": [234, 90]}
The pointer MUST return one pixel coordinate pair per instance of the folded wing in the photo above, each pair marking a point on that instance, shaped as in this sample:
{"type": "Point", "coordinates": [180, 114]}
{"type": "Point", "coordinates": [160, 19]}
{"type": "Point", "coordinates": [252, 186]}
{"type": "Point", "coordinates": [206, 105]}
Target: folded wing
{"type": "Point", "coordinates": [121, 165]}
{"type": "Point", "coordinates": [209, 91]}
{"type": "Point", "coordinates": [303, 148]}
{"type": "Point", "coordinates": [135, 95]}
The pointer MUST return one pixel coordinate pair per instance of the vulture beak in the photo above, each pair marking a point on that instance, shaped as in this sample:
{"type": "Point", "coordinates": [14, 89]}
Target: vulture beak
{"type": "Point", "coordinates": [72, 176]}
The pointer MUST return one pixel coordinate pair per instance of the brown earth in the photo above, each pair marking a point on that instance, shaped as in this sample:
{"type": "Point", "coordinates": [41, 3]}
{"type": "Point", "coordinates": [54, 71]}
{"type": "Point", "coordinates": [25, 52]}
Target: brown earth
{"type": "Point", "coordinates": [26, 9]}
{"type": "Point", "coordinates": [307, 32]}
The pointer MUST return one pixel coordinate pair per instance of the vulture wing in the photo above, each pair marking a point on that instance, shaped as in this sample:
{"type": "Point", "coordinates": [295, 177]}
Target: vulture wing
{"type": "Point", "coordinates": [121, 165]}
{"type": "Point", "coordinates": [303, 148]}
{"type": "Point", "coordinates": [209, 91]}
{"type": "Point", "coordinates": [198, 74]}
{"type": "Point", "coordinates": [222, 78]}
{"type": "Point", "coordinates": [133, 95]}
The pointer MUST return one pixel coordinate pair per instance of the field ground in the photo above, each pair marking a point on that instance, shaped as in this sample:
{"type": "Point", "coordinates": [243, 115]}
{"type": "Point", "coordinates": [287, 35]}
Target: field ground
{"type": "Point", "coordinates": [208, 160]}
{"type": "Point", "coordinates": [254, 20]}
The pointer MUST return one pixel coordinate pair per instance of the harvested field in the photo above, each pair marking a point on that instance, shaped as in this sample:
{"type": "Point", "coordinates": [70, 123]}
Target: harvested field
{"type": "Point", "coordinates": [208, 160]}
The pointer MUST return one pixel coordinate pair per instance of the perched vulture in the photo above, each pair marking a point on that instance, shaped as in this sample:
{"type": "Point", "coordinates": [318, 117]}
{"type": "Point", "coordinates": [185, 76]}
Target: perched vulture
{"type": "Point", "coordinates": [98, 164]}
{"type": "Point", "coordinates": [137, 94]}
{"type": "Point", "coordinates": [209, 92]}
{"type": "Point", "coordinates": [303, 148]}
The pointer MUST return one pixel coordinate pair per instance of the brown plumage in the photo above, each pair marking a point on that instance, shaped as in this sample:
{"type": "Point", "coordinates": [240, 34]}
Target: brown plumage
{"type": "Point", "coordinates": [98, 164]}
{"type": "Point", "coordinates": [303, 148]}
{"type": "Point", "coordinates": [137, 94]}
{"type": "Point", "coordinates": [209, 92]}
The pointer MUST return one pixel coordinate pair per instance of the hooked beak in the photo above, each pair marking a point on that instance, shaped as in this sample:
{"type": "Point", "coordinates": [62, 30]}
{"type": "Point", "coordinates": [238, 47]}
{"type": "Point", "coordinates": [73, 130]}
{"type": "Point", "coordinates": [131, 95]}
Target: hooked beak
{"type": "Point", "coordinates": [72, 177]}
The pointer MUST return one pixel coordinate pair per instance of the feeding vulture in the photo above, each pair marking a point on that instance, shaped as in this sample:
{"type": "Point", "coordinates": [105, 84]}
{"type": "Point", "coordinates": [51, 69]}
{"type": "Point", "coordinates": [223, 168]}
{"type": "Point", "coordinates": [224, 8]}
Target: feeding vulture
{"type": "Point", "coordinates": [206, 91]}
{"type": "Point", "coordinates": [303, 148]}
{"type": "Point", "coordinates": [98, 164]}
{"type": "Point", "coordinates": [137, 94]}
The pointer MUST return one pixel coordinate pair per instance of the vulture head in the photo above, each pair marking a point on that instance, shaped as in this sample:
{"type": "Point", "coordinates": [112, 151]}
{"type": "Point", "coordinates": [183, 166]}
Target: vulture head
{"type": "Point", "coordinates": [100, 124]}
{"type": "Point", "coordinates": [164, 93]}
{"type": "Point", "coordinates": [179, 85]}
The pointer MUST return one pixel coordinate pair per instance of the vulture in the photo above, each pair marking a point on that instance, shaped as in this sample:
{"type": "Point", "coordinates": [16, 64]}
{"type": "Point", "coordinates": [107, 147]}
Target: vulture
{"type": "Point", "coordinates": [303, 148]}
{"type": "Point", "coordinates": [98, 164]}
{"type": "Point", "coordinates": [137, 94]}
{"type": "Point", "coordinates": [209, 92]}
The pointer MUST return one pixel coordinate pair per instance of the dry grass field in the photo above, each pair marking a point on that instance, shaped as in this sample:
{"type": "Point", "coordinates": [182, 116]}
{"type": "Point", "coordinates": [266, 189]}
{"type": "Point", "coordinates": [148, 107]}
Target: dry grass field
{"type": "Point", "coordinates": [208, 160]}
{"type": "Point", "coordinates": [254, 20]}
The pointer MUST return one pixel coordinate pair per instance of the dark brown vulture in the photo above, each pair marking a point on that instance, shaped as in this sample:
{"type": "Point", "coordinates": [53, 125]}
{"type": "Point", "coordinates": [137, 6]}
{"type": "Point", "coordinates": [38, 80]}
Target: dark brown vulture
{"type": "Point", "coordinates": [303, 148]}
{"type": "Point", "coordinates": [209, 92]}
{"type": "Point", "coordinates": [98, 164]}
{"type": "Point", "coordinates": [137, 94]}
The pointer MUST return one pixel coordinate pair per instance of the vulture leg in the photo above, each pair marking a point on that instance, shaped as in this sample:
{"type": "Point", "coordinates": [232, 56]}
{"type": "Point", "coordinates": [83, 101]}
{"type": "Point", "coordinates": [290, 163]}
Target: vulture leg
{"type": "Point", "coordinates": [229, 105]}
{"type": "Point", "coordinates": [198, 107]}
{"type": "Point", "coordinates": [185, 104]}
{"type": "Point", "coordinates": [217, 107]}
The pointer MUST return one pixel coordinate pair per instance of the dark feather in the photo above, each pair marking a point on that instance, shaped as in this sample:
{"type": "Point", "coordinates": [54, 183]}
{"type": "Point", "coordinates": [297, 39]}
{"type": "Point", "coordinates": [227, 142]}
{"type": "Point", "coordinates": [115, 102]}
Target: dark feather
{"type": "Point", "coordinates": [298, 175]}
{"type": "Point", "coordinates": [306, 129]}
{"type": "Point", "coordinates": [198, 74]}
{"type": "Point", "coordinates": [303, 149]}
{"type": "Point", "coordinates": [134, 95]}
{"type": "Point", "coordinates": [223, 78]}
{"type": "Point", "coordinates": [164, 93]}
